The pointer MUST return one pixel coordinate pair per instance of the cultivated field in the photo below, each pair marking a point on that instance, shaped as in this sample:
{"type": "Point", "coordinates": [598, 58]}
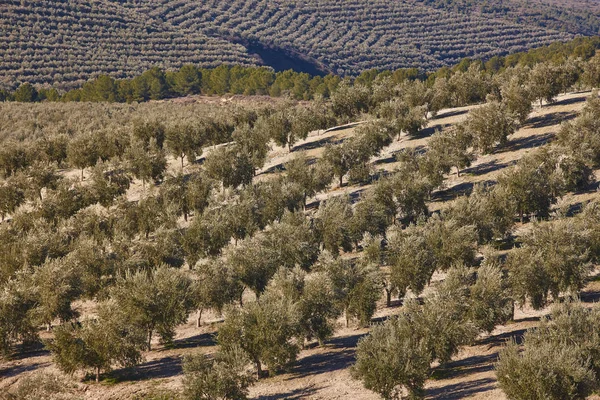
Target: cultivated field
{"type": "Point", "coordinates": [323, 372]}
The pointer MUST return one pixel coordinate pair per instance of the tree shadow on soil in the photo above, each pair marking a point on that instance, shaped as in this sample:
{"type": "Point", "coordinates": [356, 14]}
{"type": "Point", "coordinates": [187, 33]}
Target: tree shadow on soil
{"type": "Point", "coordinates": [19, 369]}
{"type": "Point", "coordinates": [461, 390]}
{"type": "Point", "coordinates": [165, 367]}
{"type": "Point", "coordinates": [550, 119]}
{"type": "Point", "coordinates": [341, 356]}
{"type": "Point", "coordinates": [427, 132]}
{"type": "Point", "coordinates": [204, 339]}
{"type": "Point", "coordinates": [574, 100]}
{"type": "Point", "coordinates": [470, 365]}
{"type": "Point", "coordinates": [488, 167]}
{"type": "Point", "coordinates": [295, 394]}
{"type": "Point", "coordinates": [590, 296]}
{"type": "Point", "coordinates": [35, 349]}
{"type": "Point", "coordinates": [502, 338]}
{"type": "Point", "coordinates": [527, 142]}
{"type": "Point", "coordinates": [465, 188]}
{"type": "Point", "coordinates": [317, 143]}
{"type": "Point", "coordinates": [448, 114]}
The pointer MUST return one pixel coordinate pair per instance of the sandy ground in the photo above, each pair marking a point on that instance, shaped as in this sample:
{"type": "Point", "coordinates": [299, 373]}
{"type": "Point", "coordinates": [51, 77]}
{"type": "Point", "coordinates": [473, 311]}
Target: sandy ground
{"type": "Point", "coordinates": [324, 372]}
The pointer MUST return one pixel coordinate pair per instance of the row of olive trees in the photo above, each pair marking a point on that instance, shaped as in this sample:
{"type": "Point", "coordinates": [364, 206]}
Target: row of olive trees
{"type": "Point", "coordinates": [558, 360]}
{"type": "Point", "coordinates": [397, 355]}
{"type": "Point", "coordinates": [145, 234]}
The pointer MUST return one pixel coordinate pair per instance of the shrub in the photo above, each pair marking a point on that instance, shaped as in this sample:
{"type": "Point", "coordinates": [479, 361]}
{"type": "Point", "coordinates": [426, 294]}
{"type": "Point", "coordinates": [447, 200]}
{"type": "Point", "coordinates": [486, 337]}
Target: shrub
{"type": "Point", "coordinates": [225, 377]}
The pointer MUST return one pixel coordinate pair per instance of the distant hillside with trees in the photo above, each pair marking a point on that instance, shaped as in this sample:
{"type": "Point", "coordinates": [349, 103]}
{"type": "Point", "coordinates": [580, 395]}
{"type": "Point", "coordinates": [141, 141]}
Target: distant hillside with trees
{"type": "Point", "coordinates": [65, 43]}
{"type": "Point", "coordinates": [157, 84]}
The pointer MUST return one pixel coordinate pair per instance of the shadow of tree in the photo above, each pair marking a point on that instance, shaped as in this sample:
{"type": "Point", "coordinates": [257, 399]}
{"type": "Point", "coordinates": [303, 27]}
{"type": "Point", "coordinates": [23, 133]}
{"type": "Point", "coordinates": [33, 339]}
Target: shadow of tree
{"type": "Point", "coordinates": [550, 119]}
{"type": "Point", "coordinates": [591, 296]}
{"type": "Point", "coordinates": [165, 367]}
{"type": "Point", "coordinates": [525, 143]}
{"type": "Point", "coordinates": [317, 143]}
{"type": "Point", "coordinates": [465, 188]}
{"type": "Point", "coordinates": [427, 132]}
{"type": "Point", "coordinates": [486, 168]}
{"type": "Point", "coordinates": [19, 369]}
{"type": "Point", "coordinates": [28, 350]}
{"type": "Point", "coordinates": [466, 366]}
{"type": "Point", "coordinates": [450, 114]}
{"type": "Point", "coordinates": [204, 339]}
{"type": "Point", "coordinates": [573, 100]}
{"type": "Point", "coordinates": [341, 355]}
{"type": "Point", "coordinates": [274, 169]}
{"type": "Point", "coordinates": [461, 390]}
{"type": "Point", "coordinates": [502, 338]}
{"type": "Point", "coordinates": [295, 394]}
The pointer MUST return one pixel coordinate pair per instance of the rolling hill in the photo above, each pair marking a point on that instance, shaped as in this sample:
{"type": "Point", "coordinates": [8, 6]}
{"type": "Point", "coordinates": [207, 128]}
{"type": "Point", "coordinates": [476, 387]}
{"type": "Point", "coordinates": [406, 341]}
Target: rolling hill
{"type": "Point", "coordinates": [66, 42]}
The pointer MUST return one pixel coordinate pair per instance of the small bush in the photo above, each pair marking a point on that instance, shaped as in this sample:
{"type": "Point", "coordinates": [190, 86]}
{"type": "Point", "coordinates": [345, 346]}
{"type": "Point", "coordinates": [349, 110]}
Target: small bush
{"type": "Point", "coordinates": [224, 377]}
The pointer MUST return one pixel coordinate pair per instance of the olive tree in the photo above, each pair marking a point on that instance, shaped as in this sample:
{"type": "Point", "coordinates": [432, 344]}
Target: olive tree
{"type": "Point", "coordinates": [591, 72]}
{"type": "Point", "coordinates": [56, 284]}
{"type": "Point", "coordinates": [559, 359]}
{"type": "Point", "coordinates": [554, 259]}
{"type": "Point", "coordinates": [489, 210]}
{"type": "Point", "coordinates": [517, 98]}
{"type": "Point", "coordinates": [17, 324]}
{"type": "Point", "coordinates": [391, 358]}
{"type": "Point", "coordinates": [356, 286]}
{"type": "Point", "coordinates": [83, 151]}
{"type": "Point", "coordinates": [97, 344]}
{"type": "Point", "coordinates": [334, 225]}
{"type": "Point", "coordinates": [489, 125]}
{"type": "Point", "coordinates": [224, 377]}
{"type": "Point", "coordinates": [265, 331]}
{"type": "Point", "coordinates": [545, 82]}
{"type": "Point", "coordinates": [155, 301]}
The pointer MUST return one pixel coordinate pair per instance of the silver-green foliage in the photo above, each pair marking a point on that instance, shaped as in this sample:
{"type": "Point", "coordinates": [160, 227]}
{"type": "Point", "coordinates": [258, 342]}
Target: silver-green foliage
{"type": "Point", "coordinates": [224, 377]}
{"type": "Point", "coordinates": [559, 360]}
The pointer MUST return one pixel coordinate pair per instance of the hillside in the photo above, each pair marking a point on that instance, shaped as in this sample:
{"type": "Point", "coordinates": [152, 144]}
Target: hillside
{"type": "Point", "coordinates": [323, 371]}
{"type": "Point", "coordinates": [66, 42]}
{"type": "Point", "coordinates": [578, 17]}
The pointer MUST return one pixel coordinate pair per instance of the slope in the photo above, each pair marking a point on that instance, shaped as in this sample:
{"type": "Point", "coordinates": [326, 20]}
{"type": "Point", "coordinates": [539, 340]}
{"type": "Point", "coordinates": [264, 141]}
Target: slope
{"type": "Point", "coordinates": [66, 42]}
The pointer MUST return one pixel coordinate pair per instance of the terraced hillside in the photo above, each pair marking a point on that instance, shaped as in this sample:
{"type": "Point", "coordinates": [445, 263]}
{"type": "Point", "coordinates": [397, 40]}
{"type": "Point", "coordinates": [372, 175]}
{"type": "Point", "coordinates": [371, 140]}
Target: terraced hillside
{"type": "Point", "coordinates": [579, 17]}
{"type": "Point", "coordinates": [68, 41]}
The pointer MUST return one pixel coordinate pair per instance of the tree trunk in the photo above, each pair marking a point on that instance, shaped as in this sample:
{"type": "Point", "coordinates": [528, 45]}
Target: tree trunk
{"type": "Point", "coordinates": [81, 174]}
{"type": "Point", "coordinates": [458, 171]}
{"type": "Point", "coordinates": [199, 318]}
{"type": "Point", "coordinates": [346, 316]}
{"type": "Point", "coordinates": [149, 339]}
{"type": "Point", "coordinates": [258, 369]}
{"type": "Point", "coordinates": [512, 315]}
{"type": "Point", "coordinates": [97, 374]}
{"type": "Point", "coordinates": [341, 180]}
{"type": "Point", "coordinates": [182, 163]}
{"type": "Point", "coordinates": [388, 297]}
